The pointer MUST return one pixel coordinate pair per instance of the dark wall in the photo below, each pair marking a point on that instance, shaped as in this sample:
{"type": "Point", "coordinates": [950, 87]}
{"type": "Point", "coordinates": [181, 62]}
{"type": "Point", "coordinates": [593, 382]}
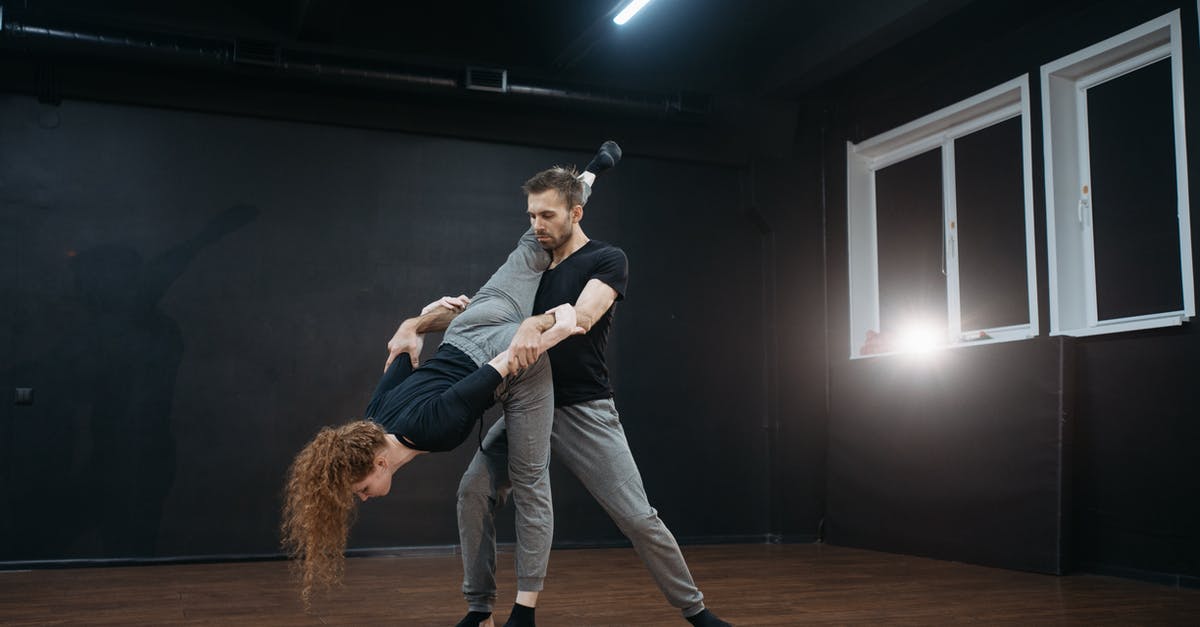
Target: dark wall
{"type": "Point", "coordinates": [957, 455]}
{"type": "Point", "coordinates": [1132, 478]}
{"type": "Point", "coordinates": [788, 196]}
{"type": "Point", "coordinates": [192, 296]}
{"type": "Point", "coordinates": [1137, 478]}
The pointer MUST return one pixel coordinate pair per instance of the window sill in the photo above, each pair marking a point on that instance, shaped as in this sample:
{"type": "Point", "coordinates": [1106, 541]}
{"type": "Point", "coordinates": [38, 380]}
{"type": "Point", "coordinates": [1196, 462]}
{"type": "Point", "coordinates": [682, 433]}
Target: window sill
{"type": "Point", "coordinates": [1007, 337]}
{"type": "Point", "coordinates": [1128, 324]}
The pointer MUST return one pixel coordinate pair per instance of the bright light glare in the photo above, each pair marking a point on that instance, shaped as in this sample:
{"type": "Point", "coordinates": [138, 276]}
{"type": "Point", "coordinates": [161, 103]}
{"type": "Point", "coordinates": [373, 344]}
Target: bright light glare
{"type": "Point", "coordinates": [629, 11]}
{"type": "Point", "coordinates": [918, 338]}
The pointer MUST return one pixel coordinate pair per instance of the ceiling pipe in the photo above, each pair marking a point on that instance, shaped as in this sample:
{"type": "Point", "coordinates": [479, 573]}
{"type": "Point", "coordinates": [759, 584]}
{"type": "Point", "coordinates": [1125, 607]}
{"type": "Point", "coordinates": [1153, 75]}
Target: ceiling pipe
{"type": "Point", "coordinates": [45, 37]}
{"type": "Point", "coordinates": [233, 53]}
{"type": "Point", "coordinates": [660, 104]}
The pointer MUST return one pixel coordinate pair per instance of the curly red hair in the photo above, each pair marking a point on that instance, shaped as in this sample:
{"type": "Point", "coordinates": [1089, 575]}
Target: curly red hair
{"type": "Point", "coordinates": [319, 504]}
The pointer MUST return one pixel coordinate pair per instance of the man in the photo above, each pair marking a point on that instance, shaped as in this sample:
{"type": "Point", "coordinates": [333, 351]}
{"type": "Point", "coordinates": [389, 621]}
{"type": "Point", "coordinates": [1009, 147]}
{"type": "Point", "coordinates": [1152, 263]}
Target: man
{"type": "Point", "coordinates": [472, 336]}
{"type": "Point", "coordinates": [586, 435]}
{"type": "Point", "coordinates": [434, 407]}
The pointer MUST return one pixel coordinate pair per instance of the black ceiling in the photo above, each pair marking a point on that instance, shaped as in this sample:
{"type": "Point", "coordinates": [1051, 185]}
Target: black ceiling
{"type": "Point", "coordinates": [771, 48]}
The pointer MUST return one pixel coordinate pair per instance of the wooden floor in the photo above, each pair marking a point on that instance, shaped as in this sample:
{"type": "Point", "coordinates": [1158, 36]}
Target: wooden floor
{"type": "Point", "coordinates": [745, 584]}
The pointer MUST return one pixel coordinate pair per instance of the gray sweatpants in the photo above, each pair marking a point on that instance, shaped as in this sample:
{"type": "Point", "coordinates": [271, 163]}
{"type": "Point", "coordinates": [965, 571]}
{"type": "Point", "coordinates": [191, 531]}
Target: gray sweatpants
{"type": "Point", "coordinates": [484, 330]}
{"type": "Point", "coordinates": [589, 439]}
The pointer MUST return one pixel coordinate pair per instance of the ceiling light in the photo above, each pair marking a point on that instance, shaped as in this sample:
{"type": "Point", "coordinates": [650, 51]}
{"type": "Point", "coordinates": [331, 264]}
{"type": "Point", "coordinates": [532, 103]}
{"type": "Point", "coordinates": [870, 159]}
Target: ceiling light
{"type": "Point", "coordinates": [629, 11]}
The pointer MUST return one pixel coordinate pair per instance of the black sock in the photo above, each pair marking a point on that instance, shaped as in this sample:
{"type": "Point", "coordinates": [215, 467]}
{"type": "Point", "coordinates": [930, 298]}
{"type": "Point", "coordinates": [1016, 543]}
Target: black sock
{"type": "Point", "coordinates": [606, 157]}
{"type": "Point", "coordinates": [707, 619]}
{"type": "Point", "coordinates": [522, 616]}
{"type": "Point", "coordinates": [472, 619]}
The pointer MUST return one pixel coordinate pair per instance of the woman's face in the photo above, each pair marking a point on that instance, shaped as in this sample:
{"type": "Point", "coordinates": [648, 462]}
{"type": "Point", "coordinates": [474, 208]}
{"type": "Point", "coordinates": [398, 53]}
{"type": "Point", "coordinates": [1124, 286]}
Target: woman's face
{"type": "Point", "coordinates": [378, 482]}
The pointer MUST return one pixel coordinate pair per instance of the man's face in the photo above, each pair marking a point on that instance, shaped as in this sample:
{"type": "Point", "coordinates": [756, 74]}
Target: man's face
{"type": "Point", "coordinates": [552, 220]}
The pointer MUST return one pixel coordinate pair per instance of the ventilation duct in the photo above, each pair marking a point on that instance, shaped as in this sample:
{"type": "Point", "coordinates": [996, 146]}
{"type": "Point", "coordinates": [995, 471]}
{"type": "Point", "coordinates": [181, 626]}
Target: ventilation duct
{"type": "Point", "coordinates": [486, 79]}
{"type": "Point", "coordinates": [256, 52]}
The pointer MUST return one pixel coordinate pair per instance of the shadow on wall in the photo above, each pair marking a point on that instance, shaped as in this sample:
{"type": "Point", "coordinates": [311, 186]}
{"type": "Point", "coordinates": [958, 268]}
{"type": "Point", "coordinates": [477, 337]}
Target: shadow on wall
{"type": "Point", "coordinates": [97, 453]}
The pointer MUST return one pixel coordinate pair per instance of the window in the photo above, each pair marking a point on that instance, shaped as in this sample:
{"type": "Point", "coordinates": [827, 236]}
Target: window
{"type": "Point", "coordinates": [941, 228]}
{"type": "Point", "coordinates": [1117, 212]}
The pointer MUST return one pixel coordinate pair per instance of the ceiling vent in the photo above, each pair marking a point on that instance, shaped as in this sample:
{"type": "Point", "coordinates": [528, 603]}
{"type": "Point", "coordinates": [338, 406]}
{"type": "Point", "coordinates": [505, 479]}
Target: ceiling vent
{"type": "Point", "coordinates": [487, 79]}
{"type": "Point", "coordinates": [255, 52]}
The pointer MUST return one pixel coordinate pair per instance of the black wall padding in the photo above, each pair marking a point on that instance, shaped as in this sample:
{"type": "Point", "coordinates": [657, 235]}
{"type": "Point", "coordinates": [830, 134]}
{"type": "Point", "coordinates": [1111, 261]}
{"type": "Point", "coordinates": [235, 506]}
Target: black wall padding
{"type": "Point", "coordinates": [193, 296]}
{"type": "Point", "coordinates": [956, 455]}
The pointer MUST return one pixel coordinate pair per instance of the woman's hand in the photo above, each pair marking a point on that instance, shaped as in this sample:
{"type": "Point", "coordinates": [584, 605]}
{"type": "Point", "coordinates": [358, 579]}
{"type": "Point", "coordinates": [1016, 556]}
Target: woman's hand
{"type": "Point", "coordinates": [405, 340]}
{"type": "Point", "coordinates": [565, 325]}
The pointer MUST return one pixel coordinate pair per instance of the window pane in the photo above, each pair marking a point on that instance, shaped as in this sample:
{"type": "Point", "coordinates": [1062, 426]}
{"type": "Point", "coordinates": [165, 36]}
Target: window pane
{"type": "Point", "coordinates": [912, 288]}
{"type": "Point", "coordinates": [990, 186]}
{"type": "Point", "coordinates": [1131, 136]}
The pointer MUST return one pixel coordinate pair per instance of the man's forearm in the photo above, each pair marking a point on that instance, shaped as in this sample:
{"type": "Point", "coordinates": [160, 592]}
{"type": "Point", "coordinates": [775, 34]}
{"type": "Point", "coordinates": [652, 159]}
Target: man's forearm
{"type": "Point", "coordinates": [585, 319]}
{"type": "Point", "coordinates": [595, 299]}
{"type": "Point", "coordinates": [432, 322]}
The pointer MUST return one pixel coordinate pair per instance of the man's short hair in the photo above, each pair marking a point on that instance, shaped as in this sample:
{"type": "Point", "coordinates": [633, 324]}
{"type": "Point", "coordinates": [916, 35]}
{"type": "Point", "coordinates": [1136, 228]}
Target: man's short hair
{"type": "Point", "coordinates": [559, 178]}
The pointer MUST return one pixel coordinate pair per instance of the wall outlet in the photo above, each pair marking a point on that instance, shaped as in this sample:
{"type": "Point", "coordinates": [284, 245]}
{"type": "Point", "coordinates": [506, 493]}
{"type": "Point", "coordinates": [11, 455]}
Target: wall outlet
{"type": "Point", "coordinates": [24, 396]}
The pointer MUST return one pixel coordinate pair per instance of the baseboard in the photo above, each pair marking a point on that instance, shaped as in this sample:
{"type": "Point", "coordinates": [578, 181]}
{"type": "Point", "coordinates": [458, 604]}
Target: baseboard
{"type": "Point", "coordinates": [391, 551]}
{"type": "Point", "coordinates": [405, 551]}
{"type": "Point", "coordinates": [1174, 580]}
{"type": "Point", "coordinates": [757, 538]}
{"type": "Point", "coordinates": [138, 561]}
{"type": "Point", "coordinates": [793, 538]}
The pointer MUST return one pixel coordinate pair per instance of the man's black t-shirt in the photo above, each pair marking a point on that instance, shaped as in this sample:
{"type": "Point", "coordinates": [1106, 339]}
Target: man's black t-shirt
{"type": "Point", "coordinates": [580, 373]}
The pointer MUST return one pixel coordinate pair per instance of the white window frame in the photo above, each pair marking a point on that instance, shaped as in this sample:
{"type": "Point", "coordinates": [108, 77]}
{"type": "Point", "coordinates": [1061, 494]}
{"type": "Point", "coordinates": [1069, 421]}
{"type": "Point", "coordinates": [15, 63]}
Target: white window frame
{"type": "Point", "coordinates": [1070, 247]}
{"type": "Point", "coordinates": [936, 130]}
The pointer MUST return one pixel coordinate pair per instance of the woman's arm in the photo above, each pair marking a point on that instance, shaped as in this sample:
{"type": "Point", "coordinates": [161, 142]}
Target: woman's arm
{"type": "Point", "coordinates": [435, 316]}
{"type": "Point", "coordinates": [565, 325]}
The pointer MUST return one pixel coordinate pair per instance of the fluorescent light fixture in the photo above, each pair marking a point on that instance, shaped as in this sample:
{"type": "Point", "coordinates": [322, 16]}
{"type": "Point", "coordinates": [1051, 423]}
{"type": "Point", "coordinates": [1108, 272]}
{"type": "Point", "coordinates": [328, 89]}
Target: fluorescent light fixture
{"type": "Point", "coordinates": [629, 11]}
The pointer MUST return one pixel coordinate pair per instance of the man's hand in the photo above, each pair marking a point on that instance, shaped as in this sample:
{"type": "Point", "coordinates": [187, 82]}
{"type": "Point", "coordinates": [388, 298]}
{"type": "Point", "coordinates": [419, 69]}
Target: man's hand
{"type": "Point", "coordinates": [455, 304]}
{"type": "Point", "coordinates": [526, 345]}
{"type": "Point", "coordinates": [538, 334]}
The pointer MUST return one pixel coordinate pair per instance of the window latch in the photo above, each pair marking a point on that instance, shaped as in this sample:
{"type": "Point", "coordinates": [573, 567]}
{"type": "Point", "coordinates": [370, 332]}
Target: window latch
{"type": "Point", "coordinates": [1085, 204]}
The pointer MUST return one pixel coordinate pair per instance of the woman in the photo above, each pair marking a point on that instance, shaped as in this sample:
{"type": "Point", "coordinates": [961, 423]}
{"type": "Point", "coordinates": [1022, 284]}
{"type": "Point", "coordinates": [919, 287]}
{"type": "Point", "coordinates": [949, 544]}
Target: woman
{"type": "Point", "coordinates": [434, 408]}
